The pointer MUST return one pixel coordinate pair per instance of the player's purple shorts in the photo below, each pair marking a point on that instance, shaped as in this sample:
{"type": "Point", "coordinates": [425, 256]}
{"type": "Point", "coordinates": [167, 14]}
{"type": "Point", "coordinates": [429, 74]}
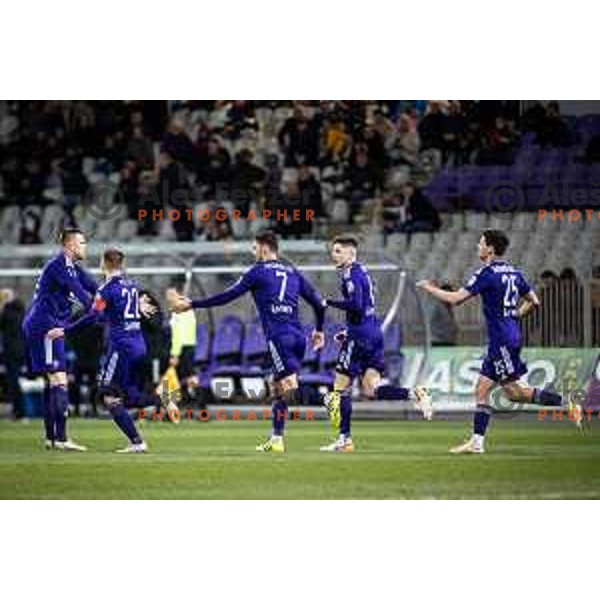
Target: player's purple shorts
{"type": "Point", "coordinates": [358, 354]}
{"type": "Point", "coordinates": [43, 354]}
{"type": "Point", "coordinates": [122, 370]}
{"type": "Point", "coordinates": [287, 353]}
{"type": "Point", "coordinates": [503, 364]}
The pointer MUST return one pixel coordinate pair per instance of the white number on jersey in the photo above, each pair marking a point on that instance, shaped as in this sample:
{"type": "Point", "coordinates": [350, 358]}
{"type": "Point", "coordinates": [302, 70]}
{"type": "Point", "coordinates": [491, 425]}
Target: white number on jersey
{"type": "Point", "coordinates": [283, 284]}
{"type": "Point", "coordinates": [132, 308]}
{"type": "Point", "coordinates": [511, 295]}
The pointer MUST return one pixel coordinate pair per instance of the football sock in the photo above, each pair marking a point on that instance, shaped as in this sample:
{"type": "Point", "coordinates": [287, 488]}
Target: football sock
{"type": "Point", "coordinates": [59, 397]}
{"type": "Point", "coordinates": [546, 398]}
{"type": "Point", "coordinates": [49, 411]}
{"type": "Point", "coordinates": [481, 419]}
{"type": "Point", "coordinates": [279, 414]}
{"type": "Point", "coordinates": [346, 414]}
{"type": "Point", "coordinates": [391, 392]}
{"type": "Point", "coordinates": [124, 422]}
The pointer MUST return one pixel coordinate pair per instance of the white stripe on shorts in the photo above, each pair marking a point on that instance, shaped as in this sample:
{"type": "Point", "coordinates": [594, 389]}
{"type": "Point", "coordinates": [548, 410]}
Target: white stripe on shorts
{"type": "Point", "coordinates": [110, 368]}
{"type": "Point", "coordinates": [48, 351]}
{"type": "Point", "coordinates": [275, 356]}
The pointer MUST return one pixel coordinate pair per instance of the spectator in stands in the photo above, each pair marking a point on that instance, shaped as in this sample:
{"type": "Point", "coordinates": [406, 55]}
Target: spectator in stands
{"type": "Point", "coordinates": [30, 225]}
{"type": "Point", "coordinates": [140, 150]}
{"type": "Point", "coordinates": [421, 215]}
{"type": "Point", "coordinates": [149, 198]}
{"type": "Point", "coordinates": [299, 140]}
{"type": "Point", "coordinates": [246, 182]}
{"type": "Point", "coordinates": [407, 143]}
{"type": "Point", "coordinates": [310, 191]}
{"type": "Point", "coordinates": [289, 200]}
{"type": "Point", "coordinates": [112, 155]}
{"type": "Point", "coordinates": [214, 230]}
{"type": "Point", "coordinates": [552, 129]}
{"type": "Point", "coordinates": [12, 311]}
{"type": "Point", "coordinates": [178, 145]}
{"type": "Point", "coordinates": [129, 189]}
{"type": "Point", "coordinates": [498, 145]}
{"type": "Point", "coordinates": [432, 127]}
{"type": "Point", "coordinates": [376, 153]}
{"type": "Point", "coordinates": [360, 181]}
{"type": "Point", "coordinates": [240, 116]}
{"type": "Point", "coordinates": [336, 141]}
{"type": "Point", "coordinates": [455, 126]}
{"type": "Point", "coordinates": [214, 169]}
{"type": "Point", "coordinates": [273, 180]}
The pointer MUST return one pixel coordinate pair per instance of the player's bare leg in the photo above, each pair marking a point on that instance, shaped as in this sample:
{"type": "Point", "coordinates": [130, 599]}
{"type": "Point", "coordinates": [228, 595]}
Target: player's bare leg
{"type": "Point", "coordinates": [283, 389]}
{"type": "Point", "coordinates": [125, 423]}
{"type": "Point", "coordinates": [373, 387]}
{"type": "Point", "coordinates": [475, 444]}
{"type": "Point", "coordinates": [333, 398]}
{"type": "Point", "coordinates": [339, 409]}
{"type": "Point", "coordinates": [59, 400]}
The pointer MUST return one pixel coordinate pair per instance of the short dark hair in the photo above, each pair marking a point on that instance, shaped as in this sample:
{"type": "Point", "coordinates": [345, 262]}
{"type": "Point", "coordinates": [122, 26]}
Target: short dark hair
{"type": "Point", "coordinates": [268, 238]}
{"type": "Point", "coordinates": [67, 233]}
{"type": "Point", "coordinates": [497, 240]}
{"type": "Point", "coordinates": [113, 258]}
{"type": "Point", "coordinates": [346, 239]}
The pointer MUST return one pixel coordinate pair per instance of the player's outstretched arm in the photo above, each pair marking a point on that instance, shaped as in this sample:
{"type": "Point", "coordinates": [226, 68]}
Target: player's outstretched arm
{"type": "Point", "coordinates": [94, 315]}
{"type": "Point", "coordinates": [454, 298]}
{"type": "Point", "coordinates": [243, 285]}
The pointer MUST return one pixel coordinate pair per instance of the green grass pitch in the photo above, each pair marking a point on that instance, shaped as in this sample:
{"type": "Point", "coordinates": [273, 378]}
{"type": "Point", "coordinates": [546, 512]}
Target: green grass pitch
{"type": "Point", "coordinates": [393, 459]}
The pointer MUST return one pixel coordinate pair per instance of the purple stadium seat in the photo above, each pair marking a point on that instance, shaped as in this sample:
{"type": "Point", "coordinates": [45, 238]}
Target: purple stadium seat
{"type": "Point", "coordinates": [227, 346]}
{"type": "Point", "coordinates": [254, 346]}
{"type": "Point", "coordinates": [202, 354]}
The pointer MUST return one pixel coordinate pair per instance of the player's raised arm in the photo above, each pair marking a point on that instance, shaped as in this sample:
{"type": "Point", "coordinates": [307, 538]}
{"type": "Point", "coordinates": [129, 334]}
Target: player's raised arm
{"type": "Point", "coordinates": [239, 288]}
{"type": "Point", "coordinates": [312, 297]}
{"type": "Point", "coordinates": [450, 297]}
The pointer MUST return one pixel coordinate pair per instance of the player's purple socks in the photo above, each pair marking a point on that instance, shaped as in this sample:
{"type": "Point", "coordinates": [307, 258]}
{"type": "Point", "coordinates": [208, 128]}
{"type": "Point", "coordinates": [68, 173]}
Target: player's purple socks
{"type": "Point", "coordinates": [278, 414]}
{"type": "Point", "coordinates": [481, 419]}
{"type": "Point", "coordinates": [49, 411]}
{"type": "Point", "coordinates": [391, 392]}
{"type": "Point", "coordinates": [59, 399]}
{"type": "Point", "coordinates": [546, 398]}
{"type": "Point", "coordinates": [345, 413]}
{"type": "Point", "coordinates": [125, 423]}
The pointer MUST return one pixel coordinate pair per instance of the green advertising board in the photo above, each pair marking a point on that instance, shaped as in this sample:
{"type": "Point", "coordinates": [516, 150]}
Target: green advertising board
{"type": "Point", "coordinates": [451, 372]}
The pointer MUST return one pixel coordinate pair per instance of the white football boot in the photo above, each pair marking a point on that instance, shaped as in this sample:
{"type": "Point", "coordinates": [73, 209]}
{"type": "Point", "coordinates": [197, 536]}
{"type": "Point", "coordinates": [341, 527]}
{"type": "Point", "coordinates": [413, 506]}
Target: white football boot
{"type": "Point", "coordinates": [342, 444]}
{"type": "Point", "coordinates": [69, 446]}
{"type": "Point", "coordinates": [470, 447]}
{"type": "Point", "coordinates": [134, 449]}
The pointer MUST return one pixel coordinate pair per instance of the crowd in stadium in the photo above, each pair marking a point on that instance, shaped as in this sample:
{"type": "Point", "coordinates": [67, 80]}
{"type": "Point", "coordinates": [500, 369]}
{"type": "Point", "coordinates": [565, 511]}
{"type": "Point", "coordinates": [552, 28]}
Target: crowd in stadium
{"type": "Point", "coordinates": [332, 157]}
